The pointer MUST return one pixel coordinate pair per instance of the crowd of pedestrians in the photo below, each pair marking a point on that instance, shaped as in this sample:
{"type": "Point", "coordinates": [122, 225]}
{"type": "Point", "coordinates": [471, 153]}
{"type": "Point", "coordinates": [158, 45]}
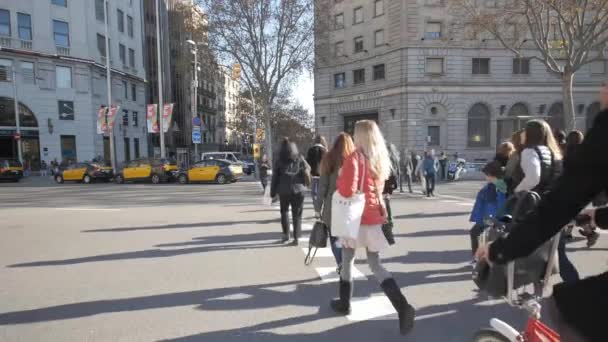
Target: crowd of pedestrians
{"type": "Point", "coordinates": [567, 171]}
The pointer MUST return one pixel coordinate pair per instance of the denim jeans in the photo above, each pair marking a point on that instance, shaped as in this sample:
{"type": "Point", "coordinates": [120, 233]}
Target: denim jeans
{"type": "Point", "coordinates": [335, 250]}
{"type": "Point", "coordinates": [430, 183]}
{"type": "Point", "coordinates": [314, 192]}
{"type": "Point", "coordinates": [567, 270]}
{"type": "Point", "coordinates": [296, 202]}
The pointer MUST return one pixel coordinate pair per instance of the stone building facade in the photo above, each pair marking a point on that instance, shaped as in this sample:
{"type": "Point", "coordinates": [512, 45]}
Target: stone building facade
{"type": "Point", "coordinates": [429, 80]}
{"type": "Point", "coordinates": [52, 53]}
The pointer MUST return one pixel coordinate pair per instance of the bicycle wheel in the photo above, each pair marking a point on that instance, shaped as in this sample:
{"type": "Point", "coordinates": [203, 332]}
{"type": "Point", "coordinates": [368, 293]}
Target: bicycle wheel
{"type": "Point", "coordinates": [489, 335]}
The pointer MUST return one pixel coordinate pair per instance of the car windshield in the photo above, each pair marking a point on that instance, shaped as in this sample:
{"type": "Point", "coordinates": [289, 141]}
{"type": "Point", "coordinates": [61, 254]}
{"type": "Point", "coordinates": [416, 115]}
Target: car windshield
{"type": "Point", "coordinates": [169, 161]}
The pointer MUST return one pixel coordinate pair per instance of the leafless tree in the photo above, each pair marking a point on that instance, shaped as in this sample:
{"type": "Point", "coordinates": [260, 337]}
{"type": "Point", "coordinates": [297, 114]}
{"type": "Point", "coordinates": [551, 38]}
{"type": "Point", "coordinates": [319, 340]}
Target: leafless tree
{"type": "Point", "coordinates": [272, 40]}
{"type": "Point", "coordinates": [564, 35]}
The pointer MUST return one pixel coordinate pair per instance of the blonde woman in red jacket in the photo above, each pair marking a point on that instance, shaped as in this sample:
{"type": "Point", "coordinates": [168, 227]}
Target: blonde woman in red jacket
{"type": "Point", "coordinates": [371, 161]}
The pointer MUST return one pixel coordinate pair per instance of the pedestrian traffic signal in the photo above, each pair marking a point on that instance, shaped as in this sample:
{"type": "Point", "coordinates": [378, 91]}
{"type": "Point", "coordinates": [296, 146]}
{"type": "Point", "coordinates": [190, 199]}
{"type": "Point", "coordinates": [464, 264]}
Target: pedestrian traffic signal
{"type": "Point", "coordinates": [256, 151]}
{"type": "Point", "coordinates": [260, 134]}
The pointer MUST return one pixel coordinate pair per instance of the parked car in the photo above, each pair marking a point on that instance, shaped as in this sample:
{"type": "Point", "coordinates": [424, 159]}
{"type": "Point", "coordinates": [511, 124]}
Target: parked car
{"type": "Point", "coordinates": [219, 171]}
{"type": "Point", "coordinates": [248, 165]}
{"type": "Point", "coordinates": [154, 170]}
{"type": "Point", "coordinates": [230, 156]}
{"type": "Point", "coordinates": [11, 169]}
{"type": "Point", "coordinates": [84, 172]}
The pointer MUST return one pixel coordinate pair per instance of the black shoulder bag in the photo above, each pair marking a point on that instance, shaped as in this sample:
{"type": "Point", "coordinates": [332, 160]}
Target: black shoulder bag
{"type": "Point", "coordinates": [318, 239]}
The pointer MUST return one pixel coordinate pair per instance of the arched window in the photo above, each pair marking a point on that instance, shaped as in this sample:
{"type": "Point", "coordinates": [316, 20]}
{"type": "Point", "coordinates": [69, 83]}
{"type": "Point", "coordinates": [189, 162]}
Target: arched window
{"type": "Point", "coordinates": [479, 126]}
{"type": "Point", "coordinates": [519, 109]}
{"type": "Point", "coordinates": [592, 111]}
{"type": "Point", "coordinates": [7, 114]}
{"type": "Point", "coordinates": [507, 125]}
{"type": "Point", "coordinates": [556, 116]}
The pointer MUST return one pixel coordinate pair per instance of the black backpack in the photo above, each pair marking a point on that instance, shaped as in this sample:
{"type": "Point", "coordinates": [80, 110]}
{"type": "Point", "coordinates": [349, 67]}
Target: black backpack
{"type": "Point", "coordinates": [551, 169]}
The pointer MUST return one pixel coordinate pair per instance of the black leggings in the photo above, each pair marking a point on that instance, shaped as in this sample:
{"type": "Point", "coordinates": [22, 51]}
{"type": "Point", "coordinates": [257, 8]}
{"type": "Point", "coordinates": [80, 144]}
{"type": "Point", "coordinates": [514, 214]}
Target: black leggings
{"type": "Point", "coordinates": [296, 201]}
{"type": "Point", "coordinates": [475, 233]}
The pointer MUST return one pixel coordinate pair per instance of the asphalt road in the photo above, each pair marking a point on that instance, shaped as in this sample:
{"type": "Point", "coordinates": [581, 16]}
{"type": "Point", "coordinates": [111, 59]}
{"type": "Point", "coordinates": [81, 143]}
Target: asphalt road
{"type": "Point", "coordinates": [139, 262]}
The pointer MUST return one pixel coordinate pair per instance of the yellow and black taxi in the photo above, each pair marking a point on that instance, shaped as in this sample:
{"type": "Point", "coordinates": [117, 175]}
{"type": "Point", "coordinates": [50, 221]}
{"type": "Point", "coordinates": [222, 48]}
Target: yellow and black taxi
{"type": "Point", "coordinates": [219, 171]}
{"type": "Point", "coordinates": [11, 170]}
{"type": "Point", "coordinates": [85, 172]}
{"type": "Point", "coordinates": [153, 170]}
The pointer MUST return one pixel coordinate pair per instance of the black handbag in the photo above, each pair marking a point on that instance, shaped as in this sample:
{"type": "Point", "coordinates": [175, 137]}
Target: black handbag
{"type": "Point", "coordinates": [318, 239]}
{"type": "Point", "coordinates": [387, 230]}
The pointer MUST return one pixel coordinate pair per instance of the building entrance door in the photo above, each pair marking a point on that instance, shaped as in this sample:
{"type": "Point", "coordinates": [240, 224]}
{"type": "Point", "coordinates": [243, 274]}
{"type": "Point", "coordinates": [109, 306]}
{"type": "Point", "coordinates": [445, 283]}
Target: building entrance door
{"type": "Point", "coordinates": [351, 120]}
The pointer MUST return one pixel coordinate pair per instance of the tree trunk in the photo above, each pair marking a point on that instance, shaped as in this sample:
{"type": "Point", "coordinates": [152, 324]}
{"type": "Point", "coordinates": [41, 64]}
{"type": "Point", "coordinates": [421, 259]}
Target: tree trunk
{"type": "Point", "coordinates": [568, 100]}
{"type": "Point", "coordinates": [268, 132]}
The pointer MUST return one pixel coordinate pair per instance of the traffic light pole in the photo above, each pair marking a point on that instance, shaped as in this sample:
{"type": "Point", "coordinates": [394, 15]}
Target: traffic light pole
{"type": "Point", "coordinates": [160, 83]}
{"type": "Point", "coordinates": [109, 85]}
{"type": "Point", "coordinates": [255, 131]}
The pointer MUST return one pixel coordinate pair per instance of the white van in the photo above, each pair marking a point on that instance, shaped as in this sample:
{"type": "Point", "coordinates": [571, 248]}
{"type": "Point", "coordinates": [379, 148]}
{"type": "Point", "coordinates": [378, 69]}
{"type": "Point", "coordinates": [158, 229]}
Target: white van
{"type": "Point", "coordinates": [230, 156]}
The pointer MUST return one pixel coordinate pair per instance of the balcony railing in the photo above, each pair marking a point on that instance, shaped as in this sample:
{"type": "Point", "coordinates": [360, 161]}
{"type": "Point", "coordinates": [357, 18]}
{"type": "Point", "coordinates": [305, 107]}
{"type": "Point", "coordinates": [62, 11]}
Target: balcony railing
{"type": "Point", "coordinates": [62, 50]}
{"type": "Point", "coordinates": [25, 44]}
{"type": "Point", "coordinates": [5, 42]}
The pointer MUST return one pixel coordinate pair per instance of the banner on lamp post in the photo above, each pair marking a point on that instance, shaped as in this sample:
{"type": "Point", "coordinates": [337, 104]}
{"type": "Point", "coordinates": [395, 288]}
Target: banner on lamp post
{"type": "Point", "coordinates": [152, 118]}
{"type": "Point", "coordinates": [167, 113]}
{"type": "Point", "coordinates": [111, 117]}
{"type": "Point", "coordinates": [102, 123]}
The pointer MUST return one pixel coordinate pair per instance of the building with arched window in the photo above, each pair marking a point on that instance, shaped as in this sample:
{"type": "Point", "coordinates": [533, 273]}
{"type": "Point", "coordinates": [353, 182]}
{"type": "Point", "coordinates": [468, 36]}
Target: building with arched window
{"type": "Point", "coordinates": [52, 60]}
{"type": "Point", "coordinates": [429, 80]}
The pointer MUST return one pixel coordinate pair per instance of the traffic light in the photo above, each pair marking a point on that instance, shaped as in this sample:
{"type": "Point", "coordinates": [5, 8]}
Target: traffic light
{"type": "Point", "coordinates": [260, 134]}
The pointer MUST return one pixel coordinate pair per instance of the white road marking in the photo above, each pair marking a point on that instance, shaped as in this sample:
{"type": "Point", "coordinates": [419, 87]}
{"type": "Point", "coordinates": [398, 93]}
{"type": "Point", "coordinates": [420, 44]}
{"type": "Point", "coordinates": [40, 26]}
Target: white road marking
{"type": "Point", "coordinates": [465, 204]}
{"type": "Point", "coordinates": [306, 227]}
{"type": "Point", "coordinates": [88, 209]}
{"type": "Point", "coordinates": [321, 252]}
{"type": "Point", "coordinates": [329, 274]}
{"type": "Point", "coordinates": [364, 309]}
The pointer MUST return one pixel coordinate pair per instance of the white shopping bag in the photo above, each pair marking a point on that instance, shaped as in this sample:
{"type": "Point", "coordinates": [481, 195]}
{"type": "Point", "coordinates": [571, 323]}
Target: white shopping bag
{"type": "Point", "coordinates": [346, 212]}
{"type": "Point", "coordinates": [267, 200]}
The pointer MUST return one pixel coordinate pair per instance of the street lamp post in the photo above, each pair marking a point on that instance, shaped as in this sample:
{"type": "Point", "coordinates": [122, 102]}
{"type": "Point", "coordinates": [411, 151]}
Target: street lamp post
{"type": "Point", "coordinates": [109, 85]}
{"type": "Point", "coordinates": [17, 123]}
{"type": "Point", "coordinates": [194, 91]}
{"type": "Point", "coordinates": [160, 85]}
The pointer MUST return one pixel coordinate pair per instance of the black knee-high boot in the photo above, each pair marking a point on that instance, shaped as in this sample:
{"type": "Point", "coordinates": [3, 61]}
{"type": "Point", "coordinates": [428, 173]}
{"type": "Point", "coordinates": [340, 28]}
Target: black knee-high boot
{"type": "Point", "coordinates": [404, 309]}
{"type": "Point", "coordinates": [342, 304]}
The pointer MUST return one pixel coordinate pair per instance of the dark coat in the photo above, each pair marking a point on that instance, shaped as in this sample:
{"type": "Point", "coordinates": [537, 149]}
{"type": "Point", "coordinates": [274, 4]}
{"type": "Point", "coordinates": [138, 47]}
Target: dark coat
{"type": "Point", "coordinates": [289, 178]}
{"type": "Point", "coordinates": [313, 157]}
{"type": "Point", "coordinates": [583, 178]}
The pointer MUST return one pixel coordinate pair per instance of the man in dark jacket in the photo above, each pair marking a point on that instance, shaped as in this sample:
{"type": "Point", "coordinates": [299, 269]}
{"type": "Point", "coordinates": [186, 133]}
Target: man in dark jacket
{"type": "Point", "coordinates": [583, 177]}
{"type": "Point", "coordinates": [313, 158]}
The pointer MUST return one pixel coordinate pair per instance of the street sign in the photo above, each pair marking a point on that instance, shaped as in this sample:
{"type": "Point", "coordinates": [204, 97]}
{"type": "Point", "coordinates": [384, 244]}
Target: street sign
{"type": "Point", "coordinates": [66, 110]}
{"type": "Point", "coordinates": [196, 121]}
{"type": "Point", "coordinates": [196, 137]}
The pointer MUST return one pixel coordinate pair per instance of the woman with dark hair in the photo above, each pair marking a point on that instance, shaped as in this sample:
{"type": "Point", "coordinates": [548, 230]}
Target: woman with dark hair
{"type": "Point", "coordinates": [313, 157]}
{"type": "Point", "coordinates": [289, 178]}
{"type": "Point", "coordinates": [573, 140]}
{"type": "Point", "coordinates": [330, 167]}
{"type": "Point", "coordinates": [540, 157]}
{"type": "Point", "coordinates": [504, 153]}
{"type": "Point", "coordinates": [513, 172]}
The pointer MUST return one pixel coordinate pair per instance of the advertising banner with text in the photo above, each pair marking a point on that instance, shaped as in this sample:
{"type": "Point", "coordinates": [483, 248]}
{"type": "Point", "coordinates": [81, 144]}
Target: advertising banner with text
{"type": "Point", "coordinates": [167, 113]}
{"type": "Point", "coordinates": [102, 124]}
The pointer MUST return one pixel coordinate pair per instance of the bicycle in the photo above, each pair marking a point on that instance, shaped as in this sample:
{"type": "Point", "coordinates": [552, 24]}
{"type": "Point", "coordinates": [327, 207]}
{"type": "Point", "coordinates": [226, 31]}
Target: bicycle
{"type": "Point", "coordinates": [535, 331]}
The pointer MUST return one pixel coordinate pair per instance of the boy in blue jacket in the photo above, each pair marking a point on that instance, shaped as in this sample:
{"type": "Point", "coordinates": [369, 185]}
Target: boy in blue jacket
{"type": "Point", "coordinates": [490, 200]}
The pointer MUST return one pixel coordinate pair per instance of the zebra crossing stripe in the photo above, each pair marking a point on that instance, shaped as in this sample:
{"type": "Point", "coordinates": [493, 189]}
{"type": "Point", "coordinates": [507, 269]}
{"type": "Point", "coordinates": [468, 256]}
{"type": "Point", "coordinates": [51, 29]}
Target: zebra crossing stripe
{"type": "Point", "coordinates": [329, 274]}
{"type": "Point", "coordinates": [364, 309]}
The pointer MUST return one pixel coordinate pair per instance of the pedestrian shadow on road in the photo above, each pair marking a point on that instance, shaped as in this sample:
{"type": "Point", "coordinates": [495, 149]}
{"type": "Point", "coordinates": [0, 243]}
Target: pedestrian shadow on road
{"type": "Point", "coordinates": [429, 257]}
{"type": "Point", "coordinates": [431, 215]}
{"type": "Point", "coordinates": [262, 240]}
{"type": "Point", "coordinates": [188, 225]}
{"type": "Point", "coordinates": [436, 233]}
{"type": "Point", "coordinates": [183, 225]}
